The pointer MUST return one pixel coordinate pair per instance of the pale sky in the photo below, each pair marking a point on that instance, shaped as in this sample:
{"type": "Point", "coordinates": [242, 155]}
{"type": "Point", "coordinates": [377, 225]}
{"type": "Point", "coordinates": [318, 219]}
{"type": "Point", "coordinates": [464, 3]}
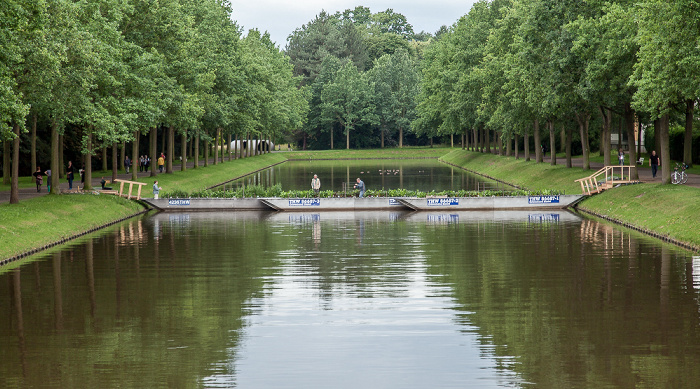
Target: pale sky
{"type": "Point", "coordinates": [281, 17]}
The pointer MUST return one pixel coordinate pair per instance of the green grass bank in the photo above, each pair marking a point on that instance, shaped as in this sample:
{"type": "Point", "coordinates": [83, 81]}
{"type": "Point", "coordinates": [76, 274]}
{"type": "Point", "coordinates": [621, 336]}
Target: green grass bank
{"type": "Point", "coordinates": [667, 210]}
{"type": "Point", "coordinates": [402, 153]}
{"type": "Point", "coordinates": [204, 177]}
{"type": "Point", "coordinates": [41, 221]}
{"type": "Point", "coordinates": [47, 219]}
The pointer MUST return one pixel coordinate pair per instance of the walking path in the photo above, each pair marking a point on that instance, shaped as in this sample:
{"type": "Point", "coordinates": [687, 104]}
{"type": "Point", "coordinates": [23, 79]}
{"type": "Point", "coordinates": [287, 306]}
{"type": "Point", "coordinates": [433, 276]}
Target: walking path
{"type": "Point", "coordinates": [28, 193]}
{"type": "Point", "coordinates": [643, 170]}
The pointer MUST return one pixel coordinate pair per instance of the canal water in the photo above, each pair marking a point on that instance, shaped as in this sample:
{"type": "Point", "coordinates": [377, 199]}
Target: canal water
{"type": "Point", "coordinates": [414, 174]}
{"type": "Point", "coordinates": [354, 300]}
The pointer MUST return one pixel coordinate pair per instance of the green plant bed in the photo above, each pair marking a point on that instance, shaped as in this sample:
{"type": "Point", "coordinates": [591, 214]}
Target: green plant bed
{"type": "Point", "coordinates": [276, 191]}
{"type": "Point", "coordinates": [42, 220]}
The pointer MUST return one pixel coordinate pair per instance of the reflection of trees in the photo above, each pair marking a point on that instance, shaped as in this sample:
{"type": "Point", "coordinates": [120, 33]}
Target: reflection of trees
{"type": "Point", "coordinates": [118, 319]}
{"type": "Point", "coordinates": [576, 306]}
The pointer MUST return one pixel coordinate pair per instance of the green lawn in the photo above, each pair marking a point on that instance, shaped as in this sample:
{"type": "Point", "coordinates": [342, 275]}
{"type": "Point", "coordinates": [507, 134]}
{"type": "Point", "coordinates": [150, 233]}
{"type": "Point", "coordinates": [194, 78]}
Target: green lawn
{"type": "Point", "coordinates": [405, 153]}
{"type": "Point", "coordinates": [46, 219]}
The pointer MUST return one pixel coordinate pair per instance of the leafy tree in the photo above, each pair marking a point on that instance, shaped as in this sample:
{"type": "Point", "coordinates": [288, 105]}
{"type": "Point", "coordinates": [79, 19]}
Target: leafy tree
{"type": "Point", "coordinates": [347, 100]}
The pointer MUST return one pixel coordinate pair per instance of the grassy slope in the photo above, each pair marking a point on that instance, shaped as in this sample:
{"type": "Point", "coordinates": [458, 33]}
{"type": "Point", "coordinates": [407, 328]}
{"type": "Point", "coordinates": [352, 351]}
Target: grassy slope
{"type": "Point", "coordinates": [528, 175]}
{"type": "Point", "coordinates": [201, 178]}
{"type": "Point", "coordinates": [665, 209]}
{"type": "Point", "coordinates": [46, 219]}
{"type": "Point", "coordinates": [406, 152]}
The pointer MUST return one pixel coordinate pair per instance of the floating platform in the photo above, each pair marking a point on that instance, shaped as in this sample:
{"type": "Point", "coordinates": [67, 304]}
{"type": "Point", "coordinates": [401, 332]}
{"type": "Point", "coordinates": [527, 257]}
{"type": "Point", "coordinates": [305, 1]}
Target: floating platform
{"type": "Point", "coordinates": [368, 204]}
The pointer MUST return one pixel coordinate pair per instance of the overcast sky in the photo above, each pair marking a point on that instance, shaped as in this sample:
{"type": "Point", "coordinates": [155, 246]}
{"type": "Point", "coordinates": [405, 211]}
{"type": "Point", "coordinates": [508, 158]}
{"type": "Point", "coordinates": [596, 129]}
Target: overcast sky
{"type": "Point", "coordinates": [281, 17]}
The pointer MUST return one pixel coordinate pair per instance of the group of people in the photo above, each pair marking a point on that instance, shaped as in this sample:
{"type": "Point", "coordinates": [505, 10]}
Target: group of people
{"type": "Point", "coordinates": [316, 186]}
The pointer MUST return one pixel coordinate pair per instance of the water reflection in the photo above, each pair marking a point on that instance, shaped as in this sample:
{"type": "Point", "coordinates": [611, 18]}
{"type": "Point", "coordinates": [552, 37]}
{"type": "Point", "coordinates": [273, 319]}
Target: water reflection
{"type": "Point", "coordinates": [344, 299]}
{"type": "Point", "coordinates": [422, 174]}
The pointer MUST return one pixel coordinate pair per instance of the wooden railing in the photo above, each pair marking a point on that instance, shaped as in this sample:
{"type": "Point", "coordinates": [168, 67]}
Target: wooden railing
{"type": "Point", "coordinates": [131, 185]}
{"type": "Point", "coordinates": [606, 178]}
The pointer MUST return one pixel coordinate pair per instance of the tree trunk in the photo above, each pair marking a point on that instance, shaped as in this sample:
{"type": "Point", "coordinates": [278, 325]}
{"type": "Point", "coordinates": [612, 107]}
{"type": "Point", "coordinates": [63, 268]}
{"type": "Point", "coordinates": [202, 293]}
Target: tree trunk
{"type": "Point", "coordinates": [401, 137]}
{"type": "Point", "coordinates": [538, 142]}
{"type": "Point", "coordinates": [657, 135]}
{"type": "Point", "coordinates": [562, 139]}
{"type": "Point", "coordinates": [517, 140]}
{"type": "Point", "coordinates": [217, 134]}
{"type": "Point", "coordinates": [61, 164]}
{"type": "Point", "coordinates": [526, 145]}
{"type": "Point", "coordinates": [6, 162]}
{"type": "Point", "coordinates": [487, 139]}
{"type": "Point", "coordinates": [382, 134]}
{"type": "Point", "coordinates": [606, 113]}
{"type": "Point", "coordinates": [196, 152]}
{"type": "Point", "coordinates": [123, 156]}
{"type": "Point", "coordinates": [629, 124]}
{"type": "Point", "coordinates": [583, 120]}
{"type": "Point", "coordinates": [347, 138]}
{"type": "Point", "coordinates": [228, 146]}
{"type": "Point", "coordinates": [88, 162]}
{"type": "Point", "coordinates": [499, 143]}
{"type": "Point", "coordinates": [552, 143]}
{"type": "Point", "coordinates": [35, 116]}
{"type": "Point", "coordinates": [509, 147]}
{"type": "Point", "coordinates": [104, 158]}
{"type": "Point", "coordinates": [474, 140]}
{"type": "Point", "coordinates": [206, 153]}
{"type": "Point", "coordinates": [14, 184]}
{"type": "Point", "coordinates": [134, 156]}
{"type": "Point", "coordinates": [688, 141]}
{"type": "Point", "coordinates": [115, 164]}
{"type": "Point", "coordinates": [55, 180]}
{"type": "Point", "coordinates": [464, 140]}
{"type": "Point", "coordinates": [171, 150]}
{"type": "Point", "coordinates": [452, 141]}
{"type": "Point", "coordinates": [331, 137]}
{"type": "Point", "coordinates": [183, 148]}
{"type": "Point", "coordinates": [153, 143]}
{"type": "Point", "coordinates": [664, 152]}
{"type": "Point", "coordinates": [569, 135]}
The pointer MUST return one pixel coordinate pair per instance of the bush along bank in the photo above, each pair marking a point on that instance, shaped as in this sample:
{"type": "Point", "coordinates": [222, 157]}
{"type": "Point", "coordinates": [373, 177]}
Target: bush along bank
{"type": "Point", "coordinates": [668, 212]}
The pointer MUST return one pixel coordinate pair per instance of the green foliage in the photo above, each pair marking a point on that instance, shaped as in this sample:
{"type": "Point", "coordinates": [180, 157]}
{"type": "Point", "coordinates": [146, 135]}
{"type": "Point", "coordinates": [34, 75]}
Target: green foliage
{"type": "Point", "coordinates": [276, 191]}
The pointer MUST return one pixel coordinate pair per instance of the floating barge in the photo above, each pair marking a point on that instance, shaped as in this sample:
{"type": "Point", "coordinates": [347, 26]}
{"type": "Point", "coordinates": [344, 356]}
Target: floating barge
{"type": "Point", "coordinates": [368, 204]}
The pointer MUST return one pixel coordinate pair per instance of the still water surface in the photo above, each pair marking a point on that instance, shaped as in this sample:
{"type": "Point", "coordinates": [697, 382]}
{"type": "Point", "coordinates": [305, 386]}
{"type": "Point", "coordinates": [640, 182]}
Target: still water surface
{"type": "Point", "coordinates": [414, 174]}
{"type": "Point", "coordinates": [354, 300]}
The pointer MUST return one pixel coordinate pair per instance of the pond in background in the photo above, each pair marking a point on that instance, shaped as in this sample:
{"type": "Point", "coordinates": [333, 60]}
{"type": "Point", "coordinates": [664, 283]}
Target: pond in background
{"type": "Point", "coordinates": [413, 174]}
{"type": "Point", "coordinates": [354, 300]}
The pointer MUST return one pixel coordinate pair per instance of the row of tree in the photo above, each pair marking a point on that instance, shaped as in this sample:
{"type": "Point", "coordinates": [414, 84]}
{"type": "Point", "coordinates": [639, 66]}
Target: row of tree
{"type": "Point", "coordinates": [110, 71]}
{"type": "Point", "coordinates": [363, 71]}
{"type": "Point", "coordinates": [510, 66]}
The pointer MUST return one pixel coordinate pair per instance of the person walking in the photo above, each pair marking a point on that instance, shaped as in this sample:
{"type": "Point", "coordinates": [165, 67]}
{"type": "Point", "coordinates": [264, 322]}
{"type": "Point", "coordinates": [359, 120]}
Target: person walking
{"type": "Point", "coordinates": [39, 178]}
{"type": "Point", "coordinates": [127, 164]}
{"type": "Point", "coordinates": [316, 185]}
{"type": "Point", "coordinates": [156, 189]}
{"type": "Point", "coordinates": [161, 162]}
{"type": "Point", "coordinates": [48, 180]}
{"type": "Point", "coordinates": [621, 157]}
{"type": "Point", "coordinates": [654, 162]}
{"type": "Point", "coordinates": [69, 175]}
{"type": "Point", "coordinates": [361, 186]}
